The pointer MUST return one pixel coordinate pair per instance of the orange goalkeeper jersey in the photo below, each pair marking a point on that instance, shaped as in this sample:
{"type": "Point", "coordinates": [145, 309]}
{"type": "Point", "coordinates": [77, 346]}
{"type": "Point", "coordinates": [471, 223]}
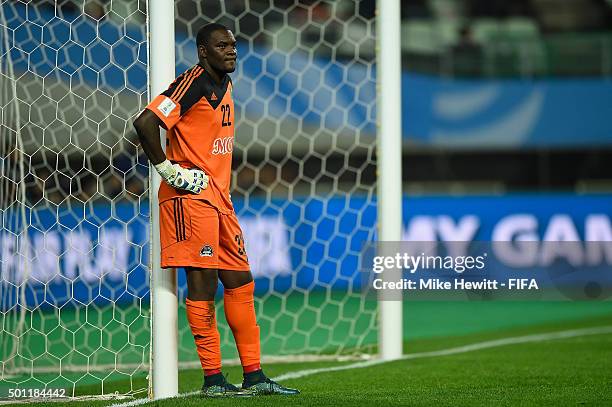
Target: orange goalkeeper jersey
{"type": "Point", "coordinates": [199, 116]}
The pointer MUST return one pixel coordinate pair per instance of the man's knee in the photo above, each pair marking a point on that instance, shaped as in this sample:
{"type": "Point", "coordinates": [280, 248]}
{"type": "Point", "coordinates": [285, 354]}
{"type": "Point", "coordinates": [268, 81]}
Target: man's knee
{"type": "Point", "coordinates": [234, 279]}
{"type": "Point", "coordinates": [201, 284]}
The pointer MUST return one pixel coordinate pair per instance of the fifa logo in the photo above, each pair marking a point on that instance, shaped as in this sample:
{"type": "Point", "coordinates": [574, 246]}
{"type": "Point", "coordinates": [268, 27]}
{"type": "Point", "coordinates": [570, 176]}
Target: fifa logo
{"type": "Point", "coordinates": [223, 145]}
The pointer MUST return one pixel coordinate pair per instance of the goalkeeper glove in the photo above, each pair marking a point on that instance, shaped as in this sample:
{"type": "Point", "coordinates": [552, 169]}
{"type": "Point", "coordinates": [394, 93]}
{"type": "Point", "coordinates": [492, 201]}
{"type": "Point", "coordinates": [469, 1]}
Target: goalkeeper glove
{"type": "Point", "coordinates": [192, 180]}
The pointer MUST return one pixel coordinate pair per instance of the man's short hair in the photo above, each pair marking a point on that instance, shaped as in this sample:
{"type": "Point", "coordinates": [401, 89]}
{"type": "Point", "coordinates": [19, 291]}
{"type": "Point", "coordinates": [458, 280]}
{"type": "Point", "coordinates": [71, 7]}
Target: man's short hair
{"type": "Point", "coordinates": [205, 32]}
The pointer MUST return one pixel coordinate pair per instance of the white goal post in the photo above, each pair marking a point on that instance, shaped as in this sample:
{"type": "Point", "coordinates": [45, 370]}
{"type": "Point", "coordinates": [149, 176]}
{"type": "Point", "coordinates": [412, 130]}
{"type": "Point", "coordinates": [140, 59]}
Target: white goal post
{"type": "Point", "coordinates": [164, 300]}
{"type": "Point", "coordinates": [389, 147]}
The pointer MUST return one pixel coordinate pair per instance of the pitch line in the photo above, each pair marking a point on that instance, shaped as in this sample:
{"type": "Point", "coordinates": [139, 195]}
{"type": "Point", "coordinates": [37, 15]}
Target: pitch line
{"type": "Point", "coordinates": [443, 352]}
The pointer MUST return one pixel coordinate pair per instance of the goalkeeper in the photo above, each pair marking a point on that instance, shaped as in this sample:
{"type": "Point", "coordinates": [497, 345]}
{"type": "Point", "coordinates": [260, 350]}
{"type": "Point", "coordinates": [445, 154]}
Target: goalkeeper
{"type": "Point", "coordinates": [198, 226]}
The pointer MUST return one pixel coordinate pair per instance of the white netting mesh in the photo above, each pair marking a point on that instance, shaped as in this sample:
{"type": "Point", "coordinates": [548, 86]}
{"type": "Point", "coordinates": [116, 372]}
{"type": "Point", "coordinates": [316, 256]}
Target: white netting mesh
{"type": "Point", "coordinates": [73, 204]}
{"type": "Point", "coordinates": [74, 232]}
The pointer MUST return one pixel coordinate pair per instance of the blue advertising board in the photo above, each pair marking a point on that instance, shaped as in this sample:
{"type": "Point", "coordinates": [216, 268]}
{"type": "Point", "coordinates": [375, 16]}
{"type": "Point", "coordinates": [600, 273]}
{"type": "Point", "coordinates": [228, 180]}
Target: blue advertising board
{"type": "Point", "coordinates": [506, 113]}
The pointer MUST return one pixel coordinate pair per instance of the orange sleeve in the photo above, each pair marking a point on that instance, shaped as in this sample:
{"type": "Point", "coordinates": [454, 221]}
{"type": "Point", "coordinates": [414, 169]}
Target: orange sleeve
{"type": "Point", "coordinates": [182, 94]}
{"type": "Point", "coordinates": [168, 110]}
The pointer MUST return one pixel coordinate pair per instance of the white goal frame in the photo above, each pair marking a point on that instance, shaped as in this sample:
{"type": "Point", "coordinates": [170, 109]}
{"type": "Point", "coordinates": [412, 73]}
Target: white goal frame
{"type": "Point", "coordinates": [389, 151]}
{"type": "Point", "coordinates": [164, 298]}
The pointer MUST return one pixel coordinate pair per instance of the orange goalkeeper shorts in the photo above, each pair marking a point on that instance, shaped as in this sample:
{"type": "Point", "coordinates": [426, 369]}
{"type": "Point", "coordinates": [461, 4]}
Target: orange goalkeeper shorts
{"type": "Point", "coordinates": [194, 234]}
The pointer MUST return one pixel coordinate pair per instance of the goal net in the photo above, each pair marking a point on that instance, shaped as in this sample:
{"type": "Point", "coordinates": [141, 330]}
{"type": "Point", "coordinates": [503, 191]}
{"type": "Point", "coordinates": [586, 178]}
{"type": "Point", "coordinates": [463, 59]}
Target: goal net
{"type": "Point", "coordinates": [74, 208]}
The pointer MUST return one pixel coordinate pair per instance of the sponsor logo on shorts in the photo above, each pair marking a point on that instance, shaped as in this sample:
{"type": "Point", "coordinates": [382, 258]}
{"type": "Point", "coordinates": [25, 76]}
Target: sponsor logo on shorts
{"type": "Point", "coordinates": [207, 251]}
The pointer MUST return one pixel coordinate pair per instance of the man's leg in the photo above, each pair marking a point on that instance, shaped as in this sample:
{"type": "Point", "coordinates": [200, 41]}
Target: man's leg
{"type": "Point", "coordinates": [200, 302]}
{"type": "Point", "coordinates": [239, 305]}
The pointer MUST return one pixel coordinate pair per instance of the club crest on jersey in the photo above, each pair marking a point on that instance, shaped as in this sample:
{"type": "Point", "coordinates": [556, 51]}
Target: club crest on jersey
{"type": "Point", "coordinates": [223, 145]}
{"type": "Point", "coordinates": [206, 251]}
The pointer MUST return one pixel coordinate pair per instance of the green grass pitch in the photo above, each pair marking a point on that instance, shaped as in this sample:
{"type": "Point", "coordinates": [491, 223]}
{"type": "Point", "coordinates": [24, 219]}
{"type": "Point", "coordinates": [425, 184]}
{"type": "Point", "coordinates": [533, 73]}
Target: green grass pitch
{"type": "Point", "coordinates": [571, 371]}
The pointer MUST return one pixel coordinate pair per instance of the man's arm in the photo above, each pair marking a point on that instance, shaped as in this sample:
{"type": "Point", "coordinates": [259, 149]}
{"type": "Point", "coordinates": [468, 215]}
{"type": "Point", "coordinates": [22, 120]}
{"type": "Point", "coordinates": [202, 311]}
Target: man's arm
{"type": "Point", "coordinates": [147, 127]}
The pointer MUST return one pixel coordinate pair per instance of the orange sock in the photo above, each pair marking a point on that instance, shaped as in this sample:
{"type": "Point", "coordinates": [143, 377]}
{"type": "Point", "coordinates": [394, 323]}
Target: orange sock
{"type": "Point", "coordinates": [239, 307]}
{"type": "Point", "coordinates": [201, 317]}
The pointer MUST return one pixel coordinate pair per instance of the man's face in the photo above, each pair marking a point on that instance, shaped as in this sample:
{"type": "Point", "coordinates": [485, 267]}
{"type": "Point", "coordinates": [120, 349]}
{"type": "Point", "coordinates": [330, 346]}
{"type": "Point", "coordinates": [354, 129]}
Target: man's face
{"type": "Point", "coordinates": [220, 52]}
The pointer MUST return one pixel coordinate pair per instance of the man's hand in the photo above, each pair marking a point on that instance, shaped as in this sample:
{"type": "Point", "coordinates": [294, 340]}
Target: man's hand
{"type": "Point", "coordinates": [147, 127]}
{"type": "Point", "coordinates": [193, 180]}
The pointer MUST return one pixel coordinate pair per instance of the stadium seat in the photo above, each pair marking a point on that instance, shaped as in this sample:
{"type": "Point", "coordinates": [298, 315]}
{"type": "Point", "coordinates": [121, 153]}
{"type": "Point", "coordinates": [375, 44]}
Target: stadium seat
{"type": "Point", "coordinates": [447, 9]}
{"type": "Point", "coordinates": [285, 37]}
{"type": "Point", "coordinates": [448, 32]}
{"type": "Point", "coordinates": [420, 36]}
{"type": "Point", "coordinates": [521, 28]}
{"type": "Point", "coordinates": [484, 30]}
